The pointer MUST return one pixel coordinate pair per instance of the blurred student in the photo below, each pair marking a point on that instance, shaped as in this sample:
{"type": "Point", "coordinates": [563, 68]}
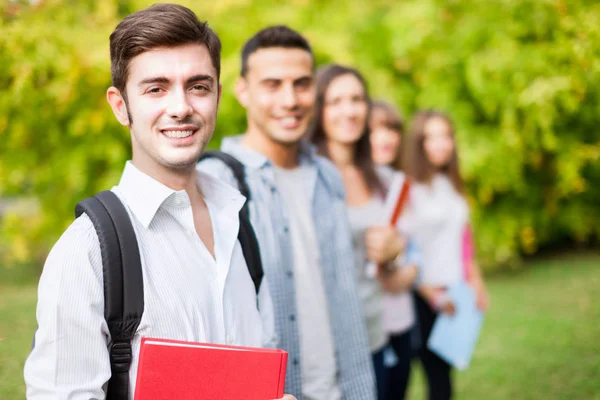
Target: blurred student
{"type": "Point", "coordinates": [297, 209]}
{"type": "Point", "coordinates": [386, 129]}
{"type": "Point", "coordinates": [340, 131]}
{"type": "Point", "coordinates": [439, 216]}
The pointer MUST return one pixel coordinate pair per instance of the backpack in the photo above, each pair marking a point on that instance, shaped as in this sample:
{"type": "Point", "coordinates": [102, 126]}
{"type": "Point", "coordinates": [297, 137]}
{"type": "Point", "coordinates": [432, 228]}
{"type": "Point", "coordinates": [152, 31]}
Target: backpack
{"type": "Point", "coordinates": [122, 271]}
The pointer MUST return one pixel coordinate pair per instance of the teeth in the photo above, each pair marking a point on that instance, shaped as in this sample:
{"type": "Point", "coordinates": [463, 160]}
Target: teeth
{"type": "Point", "coordinates": [178, 134]}
{"type": "Point", "coordinates": [289, 120]}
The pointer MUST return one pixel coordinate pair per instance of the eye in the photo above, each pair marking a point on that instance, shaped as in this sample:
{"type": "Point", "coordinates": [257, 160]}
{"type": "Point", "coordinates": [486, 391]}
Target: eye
{"type": "Point", "coordinates": [334, 102]}
{"type": "Point", "coordinates": [304, 84]}
{"type": "Point", "coordinates": [271, 84]}
{"type": "Point", "coordinates": [200, 88]}
{"type": "Point", "coordinates": [154, 90]}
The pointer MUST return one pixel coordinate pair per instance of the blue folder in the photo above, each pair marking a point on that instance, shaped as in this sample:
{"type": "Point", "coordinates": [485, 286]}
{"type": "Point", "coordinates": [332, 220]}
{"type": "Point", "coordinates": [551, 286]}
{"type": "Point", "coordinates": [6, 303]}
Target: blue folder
{"type": "Point", "coordinates": [454, 338]}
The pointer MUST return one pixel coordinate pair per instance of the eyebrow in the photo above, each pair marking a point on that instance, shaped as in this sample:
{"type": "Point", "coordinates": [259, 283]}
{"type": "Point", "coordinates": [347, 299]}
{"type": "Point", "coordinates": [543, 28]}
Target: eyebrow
{"type": "Point", "coordinates": [164, 79]}
{"type": "Point", "coordinates": [278, 79]}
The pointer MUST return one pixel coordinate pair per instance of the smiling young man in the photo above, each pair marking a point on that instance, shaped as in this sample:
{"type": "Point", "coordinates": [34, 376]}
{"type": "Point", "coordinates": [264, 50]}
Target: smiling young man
{"type": "Point", "coordinates": [297, 209]}
{"type": "Point", "coordinates": [165, 68]}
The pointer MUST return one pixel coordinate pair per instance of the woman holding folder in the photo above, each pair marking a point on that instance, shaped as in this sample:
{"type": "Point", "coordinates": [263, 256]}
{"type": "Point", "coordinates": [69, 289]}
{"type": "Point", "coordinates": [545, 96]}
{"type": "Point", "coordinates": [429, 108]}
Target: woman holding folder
{"type": "Point", "coordinates": [340, 131]}
{"type": "Point", "coordinates": [439, 220]}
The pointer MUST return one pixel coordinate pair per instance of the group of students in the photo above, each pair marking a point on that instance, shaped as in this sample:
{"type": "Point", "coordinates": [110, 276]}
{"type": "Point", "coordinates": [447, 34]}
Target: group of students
{"type": "Point", "coordinates": [319, 158]}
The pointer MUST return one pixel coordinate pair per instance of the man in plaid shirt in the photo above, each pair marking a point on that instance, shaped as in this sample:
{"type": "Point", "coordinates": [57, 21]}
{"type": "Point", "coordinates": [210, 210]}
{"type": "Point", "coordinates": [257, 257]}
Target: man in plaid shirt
{"type": "Point", "coordinates": [298, 212]}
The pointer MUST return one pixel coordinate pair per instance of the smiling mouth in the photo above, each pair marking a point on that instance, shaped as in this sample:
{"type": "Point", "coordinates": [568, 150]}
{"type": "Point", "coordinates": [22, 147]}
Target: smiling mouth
{"type": "Point", "coordinates": [178, 134]}
{"type": "Point", "coordinates": [291, 121]}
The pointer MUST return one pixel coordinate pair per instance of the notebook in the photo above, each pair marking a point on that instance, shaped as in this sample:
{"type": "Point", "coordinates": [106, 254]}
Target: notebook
{"type": "Point", "coordinates": [177, 370]}
{"type": "Point", "coordinates": [453, 338]}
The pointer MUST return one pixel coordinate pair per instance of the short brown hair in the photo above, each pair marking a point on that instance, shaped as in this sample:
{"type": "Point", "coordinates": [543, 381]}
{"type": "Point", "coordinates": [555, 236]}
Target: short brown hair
{"type": "Point", "coordinates": [386, 115]}
{"type": "Point", "coordinates": [273, 36]}
{"type": "Point", "coordinates": [416, 163]}
{"type": "Point", "coordinates": [160, 25]}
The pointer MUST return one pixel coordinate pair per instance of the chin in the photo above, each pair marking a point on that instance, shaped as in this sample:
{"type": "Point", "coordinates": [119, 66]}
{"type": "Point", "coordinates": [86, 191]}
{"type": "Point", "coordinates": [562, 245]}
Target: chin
{"type": "Point", "coordinates": [182, 162]}
{"type": "Point", "coordinates": [287, 138]}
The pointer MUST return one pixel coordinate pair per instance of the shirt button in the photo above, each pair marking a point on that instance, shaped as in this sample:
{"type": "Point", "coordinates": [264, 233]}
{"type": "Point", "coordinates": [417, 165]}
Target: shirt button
{"type": "Point", "coordinates": [295, 361]}
{"type": "Point", "coordinates": [286, 229]}
{"type": "Point", "coordinates": [229, 339]}
{"type": "Point", "coordinates": [290, 274]}
{"type": "Point", "coordinates": [292, 318]}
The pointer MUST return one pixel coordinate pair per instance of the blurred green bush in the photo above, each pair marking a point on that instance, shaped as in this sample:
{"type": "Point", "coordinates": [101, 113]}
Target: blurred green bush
{"type": "Point", "coordinates": [520, 78]}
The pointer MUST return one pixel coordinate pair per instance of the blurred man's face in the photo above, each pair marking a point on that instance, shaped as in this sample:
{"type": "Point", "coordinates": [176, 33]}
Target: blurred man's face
{"type": "Point", "coordinates": [172, 98]}
{"type": "Point", "coordinates": [278, 92]}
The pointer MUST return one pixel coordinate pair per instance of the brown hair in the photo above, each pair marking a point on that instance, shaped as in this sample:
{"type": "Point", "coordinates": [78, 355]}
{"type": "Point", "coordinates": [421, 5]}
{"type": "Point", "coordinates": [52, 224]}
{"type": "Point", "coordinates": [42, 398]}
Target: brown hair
{"type": "Point", "coordinates": [316, 133]}
{"type": "Point", "coordinates": [273, 36]}
{"type": "Point", "coordinates": [390, 119]}
{"type": "Point", "coordinates": [416, 164]}
{"type": "Point", "coordinates": [160, 25]}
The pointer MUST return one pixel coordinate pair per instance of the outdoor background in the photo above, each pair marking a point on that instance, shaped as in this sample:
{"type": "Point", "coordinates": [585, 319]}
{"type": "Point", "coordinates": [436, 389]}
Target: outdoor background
{"type": "Point", "coordinates": [521, 79]}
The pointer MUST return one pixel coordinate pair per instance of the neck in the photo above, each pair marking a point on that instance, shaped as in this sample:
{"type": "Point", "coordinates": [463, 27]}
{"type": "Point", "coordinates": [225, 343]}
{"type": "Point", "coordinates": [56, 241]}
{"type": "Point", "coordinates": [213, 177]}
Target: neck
{"type": "Point", "coordinates": [176, 179]}
{"type": "Point", "coordinates": [342, 154]}
{"type": "Point", "coordinates": [281, 154]}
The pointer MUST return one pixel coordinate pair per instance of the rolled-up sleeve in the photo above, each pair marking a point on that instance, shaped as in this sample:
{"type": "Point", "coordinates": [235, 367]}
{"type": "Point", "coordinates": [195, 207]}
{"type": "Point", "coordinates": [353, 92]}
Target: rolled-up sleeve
{"type": "Point", "coordinates": [69, 359]}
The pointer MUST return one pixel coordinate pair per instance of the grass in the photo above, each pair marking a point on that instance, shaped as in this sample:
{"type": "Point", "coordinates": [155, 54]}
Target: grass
{"type": "Point", "coordinates": [541, 338]}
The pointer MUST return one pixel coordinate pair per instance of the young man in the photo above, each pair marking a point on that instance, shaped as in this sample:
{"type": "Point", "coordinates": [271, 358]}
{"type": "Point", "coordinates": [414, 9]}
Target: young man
{"type": "Point", "coordinates": [298, 212]}
{"type": "Point", "coordinates": [165, 69]}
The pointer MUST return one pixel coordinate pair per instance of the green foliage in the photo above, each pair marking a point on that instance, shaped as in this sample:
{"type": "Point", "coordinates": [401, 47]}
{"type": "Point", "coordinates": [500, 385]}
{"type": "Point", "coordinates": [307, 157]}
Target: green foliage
{"type": "Point", "coordinates": [521, 80]}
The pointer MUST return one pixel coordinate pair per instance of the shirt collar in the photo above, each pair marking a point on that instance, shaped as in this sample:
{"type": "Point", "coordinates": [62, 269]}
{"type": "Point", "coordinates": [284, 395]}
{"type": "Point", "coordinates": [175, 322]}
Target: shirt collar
{"type": "Point", "coordinates": [145, 195]}
{"type": "Point", "coordinates": [253, 159]}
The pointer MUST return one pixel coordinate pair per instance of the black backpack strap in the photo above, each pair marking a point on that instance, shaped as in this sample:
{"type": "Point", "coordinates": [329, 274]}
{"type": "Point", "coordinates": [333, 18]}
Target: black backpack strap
{"type": "Point", "coordinates": [238, 170]}
{"type": "Point", "coordinates": [246, 236]}
{"type": "Point", "coordinates": [123, 282]}
{"type": "Point", "coordinates": [251, 251]}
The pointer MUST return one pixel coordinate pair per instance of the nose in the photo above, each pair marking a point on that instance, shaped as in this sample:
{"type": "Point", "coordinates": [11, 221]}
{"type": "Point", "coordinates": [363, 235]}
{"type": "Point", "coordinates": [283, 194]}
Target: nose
{"type": "Point", "coordinates": [353, 109]}
{"type": "Point", "coordinates": [178, 106]}
{"type": "Point", "coordinates": [289, 97]}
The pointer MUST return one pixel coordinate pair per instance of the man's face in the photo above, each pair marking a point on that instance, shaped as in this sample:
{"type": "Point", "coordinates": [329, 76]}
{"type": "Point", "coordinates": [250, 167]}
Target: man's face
{"type": "Point", "coordinates": [172, 98]}
{"type": "Point", "coordinates": [278, 92]}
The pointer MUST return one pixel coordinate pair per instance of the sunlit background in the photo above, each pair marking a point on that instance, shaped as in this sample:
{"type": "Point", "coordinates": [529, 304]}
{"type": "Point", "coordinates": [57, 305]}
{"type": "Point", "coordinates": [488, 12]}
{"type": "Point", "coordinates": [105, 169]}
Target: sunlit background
{"type": "Point", "coordinates": [521, 79]}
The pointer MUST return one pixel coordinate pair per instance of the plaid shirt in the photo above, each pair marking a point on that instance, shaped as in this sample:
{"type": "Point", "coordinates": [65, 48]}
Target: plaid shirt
{"type": "Point", "coordinates": [268, 215]}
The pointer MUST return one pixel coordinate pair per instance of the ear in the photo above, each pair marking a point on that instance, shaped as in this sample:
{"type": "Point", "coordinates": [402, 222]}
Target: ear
{"type": "Point", "coordinates": [241, 91]}
{"type": "Point", "coordinates": [118, 105]}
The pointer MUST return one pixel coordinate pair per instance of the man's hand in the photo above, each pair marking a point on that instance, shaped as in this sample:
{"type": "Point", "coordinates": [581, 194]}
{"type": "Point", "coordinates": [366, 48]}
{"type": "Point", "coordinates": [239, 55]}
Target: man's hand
{"type": "Point", "coordinates": [384, 243]}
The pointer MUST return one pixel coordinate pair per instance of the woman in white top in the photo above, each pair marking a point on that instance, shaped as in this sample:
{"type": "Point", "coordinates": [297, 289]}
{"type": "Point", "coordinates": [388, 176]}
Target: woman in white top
{"type": "Point", "coordinates": [386, 129]}
{"type": "Point", "coordinates": [439, 221]}
{"type": "Point", "coordinates": [340, 132]}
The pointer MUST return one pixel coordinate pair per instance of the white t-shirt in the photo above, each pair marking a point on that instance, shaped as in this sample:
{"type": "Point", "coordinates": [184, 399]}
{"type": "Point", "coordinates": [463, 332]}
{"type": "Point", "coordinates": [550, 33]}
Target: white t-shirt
{"type": "Point", "coordinates": [438, 216]}
{"type": "Point", "coordinates": [319, 372]}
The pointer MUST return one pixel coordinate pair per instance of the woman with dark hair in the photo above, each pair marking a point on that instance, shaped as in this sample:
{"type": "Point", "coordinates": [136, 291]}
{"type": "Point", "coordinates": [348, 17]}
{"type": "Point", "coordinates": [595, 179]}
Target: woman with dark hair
{"type": "Point", "coordinates": [439, 220]}
{"type": "Point", "coordinates": [386, 129]}
{"type": "Point", "coordinates": [340, 131]}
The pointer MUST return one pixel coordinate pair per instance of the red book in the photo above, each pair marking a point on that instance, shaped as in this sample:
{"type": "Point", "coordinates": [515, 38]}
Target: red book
{"type": "Point", "coordinates": [171, 369]}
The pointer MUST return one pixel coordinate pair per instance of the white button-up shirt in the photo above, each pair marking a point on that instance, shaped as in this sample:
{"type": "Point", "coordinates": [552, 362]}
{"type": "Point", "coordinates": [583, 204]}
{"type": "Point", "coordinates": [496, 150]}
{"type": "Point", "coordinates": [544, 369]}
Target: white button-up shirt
{"type": "Point", "coordinates": [188, 294]}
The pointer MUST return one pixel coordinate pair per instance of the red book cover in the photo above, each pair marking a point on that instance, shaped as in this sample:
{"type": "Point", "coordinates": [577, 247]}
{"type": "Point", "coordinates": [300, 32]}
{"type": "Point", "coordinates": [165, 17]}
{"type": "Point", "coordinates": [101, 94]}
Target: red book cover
{"type": "Point", "coordinates": [177, 370]}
